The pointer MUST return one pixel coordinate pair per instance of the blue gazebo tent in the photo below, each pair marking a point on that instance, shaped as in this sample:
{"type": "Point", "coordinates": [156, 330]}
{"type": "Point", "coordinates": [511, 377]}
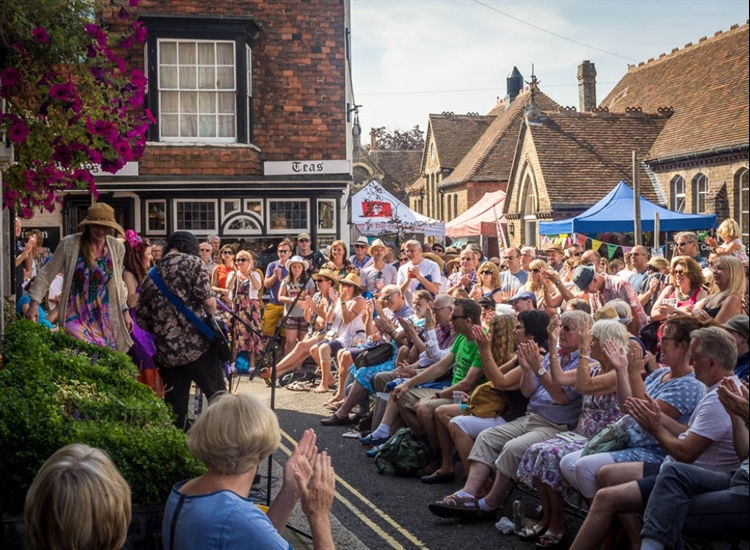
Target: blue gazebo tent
{"type": "Point", "coordinates": [614, 214]}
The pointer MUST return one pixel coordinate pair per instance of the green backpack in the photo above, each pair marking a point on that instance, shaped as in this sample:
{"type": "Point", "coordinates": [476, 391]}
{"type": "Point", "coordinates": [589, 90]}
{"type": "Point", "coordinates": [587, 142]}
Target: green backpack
{"type": "Point", "coordinates": [402, 454]}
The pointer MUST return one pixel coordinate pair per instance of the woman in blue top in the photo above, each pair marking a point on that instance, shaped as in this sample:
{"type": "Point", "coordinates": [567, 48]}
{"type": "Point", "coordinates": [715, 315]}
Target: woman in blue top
{"type": "Point", "coordinates": [213, 512]}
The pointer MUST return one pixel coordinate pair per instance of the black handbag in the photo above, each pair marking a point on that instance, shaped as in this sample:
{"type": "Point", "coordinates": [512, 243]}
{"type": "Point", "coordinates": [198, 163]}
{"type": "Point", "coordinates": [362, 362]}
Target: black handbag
{"type": "Point", "coordinates": [375, 355]}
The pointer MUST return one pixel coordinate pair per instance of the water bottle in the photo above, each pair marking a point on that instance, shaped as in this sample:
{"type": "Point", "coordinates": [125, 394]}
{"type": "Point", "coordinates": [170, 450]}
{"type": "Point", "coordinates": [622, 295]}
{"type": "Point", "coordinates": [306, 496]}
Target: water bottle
{"type": "Point", "coordinates": [369, 342]}
{"type": "Point", "coordinates": [517, 515]}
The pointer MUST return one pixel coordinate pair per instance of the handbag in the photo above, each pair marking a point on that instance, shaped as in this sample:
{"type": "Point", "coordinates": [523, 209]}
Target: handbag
{"type": "Point", "coordinates": [210, 328]}
{"type": "Point", "coordinates": [486, 402]}
{"type": "Point", "coordinates": [375, 355]}
{"type": "Point", "coordinates": [650, 335]}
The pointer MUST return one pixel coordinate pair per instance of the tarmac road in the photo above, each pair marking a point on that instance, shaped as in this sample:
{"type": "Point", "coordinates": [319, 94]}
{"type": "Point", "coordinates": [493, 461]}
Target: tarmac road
{"type": "Point", "coordinates": [380, 511]}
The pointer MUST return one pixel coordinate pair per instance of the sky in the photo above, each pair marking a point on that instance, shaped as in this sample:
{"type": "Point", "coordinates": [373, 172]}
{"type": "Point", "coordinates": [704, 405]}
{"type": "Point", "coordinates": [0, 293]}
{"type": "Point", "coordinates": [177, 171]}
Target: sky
{"type": "Point", "coordinates": [411, 58]}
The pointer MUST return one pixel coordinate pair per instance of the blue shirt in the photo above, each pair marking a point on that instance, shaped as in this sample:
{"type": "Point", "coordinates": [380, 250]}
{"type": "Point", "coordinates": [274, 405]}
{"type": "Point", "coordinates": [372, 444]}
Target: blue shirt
{"type": "Point", "coordinates": [741, 369]}
{"type": "Point", "coordinates": [542, 404]}
{"type": "Point", "coordinates": [25, 299]}
{"type": "Point", "coordinates": [218, 521]}
{"type": "Point", "coordinates": [274, 290]}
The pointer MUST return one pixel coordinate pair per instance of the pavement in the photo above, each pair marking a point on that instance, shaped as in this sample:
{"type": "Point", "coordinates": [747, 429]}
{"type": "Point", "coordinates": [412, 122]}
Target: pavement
{"type": "Point", "coordinates": [376, 511]}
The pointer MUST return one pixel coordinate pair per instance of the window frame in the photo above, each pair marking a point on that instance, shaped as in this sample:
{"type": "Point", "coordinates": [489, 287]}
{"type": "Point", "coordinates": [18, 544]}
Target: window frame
{"type": "Point", "coordinates": [700, 195]}
{"type": "Point", "coordinates": [240, 30]}
{"type": "Point", "coordinates": [675, 195]}
{"type": "Point", "coordinates": [156, 232]}
{"type": "Point", "coordinates": [334, 209]}
{"type": "Point", "coordinates": [197, 232]}
{"type": "Point", "coordinates": [287, 230]}
{"type": "Point", "coordinates": [743, 201]}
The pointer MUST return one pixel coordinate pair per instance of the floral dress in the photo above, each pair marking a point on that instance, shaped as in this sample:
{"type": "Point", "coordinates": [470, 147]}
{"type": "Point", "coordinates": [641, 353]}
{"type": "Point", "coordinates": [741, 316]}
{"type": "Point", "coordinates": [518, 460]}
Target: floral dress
{"type": "Point", "coordinates": [246, 306]}
{"type": "Point", "coordinates": [542, 460]}
{"type": "Point", "coordinates": [87, 314]}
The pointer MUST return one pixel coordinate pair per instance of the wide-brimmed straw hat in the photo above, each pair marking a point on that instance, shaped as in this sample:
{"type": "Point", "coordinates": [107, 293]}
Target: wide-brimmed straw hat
{"type": "Point", "coordinates": [376, 243]}
{"type": "Point", "coordinates": [351, 279]}
{"type": "Point", "coordinates": [101, 214]}
{"type": "Point", "coordinates": [328, 274]}
{"type": "Point", "coordinates": [297, 260]}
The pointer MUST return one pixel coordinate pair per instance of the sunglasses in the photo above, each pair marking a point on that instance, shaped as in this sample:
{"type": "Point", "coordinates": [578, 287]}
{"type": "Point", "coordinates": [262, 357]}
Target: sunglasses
{"type": "Point", "coordinates": [402, 260]}
{"type": "Point", "coordinates": [227, 253]}
{"type": "Point", "coordinates": [536, 270]}
{"type": "Point", "coordinates": [678, 272]}
{"type": "Point", "coordinates": [651, 268]}
{"type": "Point", "coordinates": [454, 317]}
{"type": "Point", "coordinates": [511, 258]}
{"type": "Point", "coordinates": [577, 254]}
{"type": "Point", "coordinates": [566, 328]}
{"type": "Point", "coordinates": [438, 250]}
{"type": "Point", "coordinates": [303, 240]}
{"type": "Point", "coordinates": [485, 272]}
{"type": "Point", "coordinates": [284, 251]}
{"type": "Point", "coordinates": [205, 250]}
{"type": "Point", "coordinates": [360, 246]}
{"type": "Point", "coordinates": [241, 260]}
{"type": "Point", "coordinates": [388, 297]}
{"type": "Point", "coordinates": [503, 267]}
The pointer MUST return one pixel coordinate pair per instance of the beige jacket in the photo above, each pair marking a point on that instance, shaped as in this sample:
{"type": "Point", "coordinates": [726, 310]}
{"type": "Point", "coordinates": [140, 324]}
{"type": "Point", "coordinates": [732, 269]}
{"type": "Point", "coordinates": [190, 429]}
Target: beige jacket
{"type": "Point", "coordinates": [64, 260]}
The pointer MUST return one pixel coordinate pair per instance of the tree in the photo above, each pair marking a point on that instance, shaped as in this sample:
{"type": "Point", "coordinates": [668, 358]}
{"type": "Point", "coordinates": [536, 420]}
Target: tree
{"type": "Point", "coordinates": [398, 140]}
{"type": "Point", "coordinates": [71, 103]}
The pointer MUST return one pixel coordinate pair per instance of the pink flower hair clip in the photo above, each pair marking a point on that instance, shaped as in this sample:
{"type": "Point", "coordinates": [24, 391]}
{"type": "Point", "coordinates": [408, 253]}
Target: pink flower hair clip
{"type": "Point", "coordinates": [132, 238]}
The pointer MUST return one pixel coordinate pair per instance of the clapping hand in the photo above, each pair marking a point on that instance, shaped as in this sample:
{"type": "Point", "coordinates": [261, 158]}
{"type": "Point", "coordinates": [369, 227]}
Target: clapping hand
{"type": "Point", "coordinates": [616, 355]}
{"type": "Point", "coordinates": [480, 338]}
{"type": "Point", "coordinates": [553, 331]}
{"type": "Point", "coordinates": [585, 346]}
{"type": "Point", "coordinates": [429, 320]}
{"type": "Point", "coordinates": [528, 356]}
{"type": "Point", "coordinates": [299, 467]}
{"type": "Point", "coordinates": [734, 399]}
{"type": "Point", "coordinates": [403, 370]}
{"type": "Point", "coordinates": [384, 325]}
{"type": "Point", "coordinates": [317, 497]}
{"type": "Point", "coordinates": [645, 411]}
{"type": "Point", "coordinates": [407, 325]}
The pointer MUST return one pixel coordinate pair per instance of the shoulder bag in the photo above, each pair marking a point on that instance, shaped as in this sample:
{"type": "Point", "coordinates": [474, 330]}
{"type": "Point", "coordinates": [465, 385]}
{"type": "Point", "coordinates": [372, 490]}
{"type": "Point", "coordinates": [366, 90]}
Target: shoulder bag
{"type": "Point", "coordinates": [209, 328]}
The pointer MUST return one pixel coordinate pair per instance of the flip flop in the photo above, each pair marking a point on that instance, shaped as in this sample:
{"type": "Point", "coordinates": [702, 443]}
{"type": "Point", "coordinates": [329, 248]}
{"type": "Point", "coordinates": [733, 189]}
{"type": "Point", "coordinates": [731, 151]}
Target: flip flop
{"type": "Point", "coordinates": [550, 539]}
{"type": "Point", "coordinates": [298, 386]}
{"type": "Point", "coordinates": [333, 405]}
{"type": "Point", "coordinates": [532, 533]}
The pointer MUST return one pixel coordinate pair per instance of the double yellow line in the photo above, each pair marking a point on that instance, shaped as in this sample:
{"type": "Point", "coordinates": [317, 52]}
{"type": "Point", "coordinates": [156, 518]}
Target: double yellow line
{"type": "Point", "coordinates": [368, 504]}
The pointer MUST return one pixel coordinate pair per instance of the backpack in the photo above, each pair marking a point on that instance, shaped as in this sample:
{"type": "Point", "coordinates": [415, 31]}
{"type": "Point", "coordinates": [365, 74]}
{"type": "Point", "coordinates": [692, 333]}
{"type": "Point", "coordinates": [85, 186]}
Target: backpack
{"type": "Point", "coordinates": [402, 454]}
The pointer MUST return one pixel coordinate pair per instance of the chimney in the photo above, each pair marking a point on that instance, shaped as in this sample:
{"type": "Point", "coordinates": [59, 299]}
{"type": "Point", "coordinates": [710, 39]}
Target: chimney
{"type": "Point", "coordinates": [372, 140]}
{"type": "Point", "coordinates": [586, 86]}
{"type": "Point", "coordinates": [514, 84]}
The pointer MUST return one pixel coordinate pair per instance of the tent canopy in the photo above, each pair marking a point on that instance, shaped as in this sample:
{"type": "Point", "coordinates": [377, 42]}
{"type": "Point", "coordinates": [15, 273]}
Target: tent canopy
{"type": "Point", "coordinates": [614, 213]}
{"type": "Point", "coordinates": [375, 212]}
{"type": "Point", "coordinates": [483, 212]}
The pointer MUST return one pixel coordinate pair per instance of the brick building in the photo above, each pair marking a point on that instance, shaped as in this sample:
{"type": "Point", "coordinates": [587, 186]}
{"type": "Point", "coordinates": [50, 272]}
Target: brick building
{"type": "Point", "coordinates": [253, 134]}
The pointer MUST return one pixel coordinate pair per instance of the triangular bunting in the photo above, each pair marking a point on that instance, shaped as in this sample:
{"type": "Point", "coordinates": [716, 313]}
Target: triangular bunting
{"type": "Point", "coordinates": [611, 249]}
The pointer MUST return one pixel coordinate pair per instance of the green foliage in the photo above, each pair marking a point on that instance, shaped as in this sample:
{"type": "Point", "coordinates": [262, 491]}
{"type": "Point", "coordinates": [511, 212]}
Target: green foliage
{"type": "Point", "coordinates": [56, 390]}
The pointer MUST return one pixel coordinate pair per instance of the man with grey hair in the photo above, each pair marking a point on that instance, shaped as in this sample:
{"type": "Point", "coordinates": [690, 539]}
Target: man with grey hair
{"type": "Point", "coordinates": [417, 273]}
{"type": "Point", "coordinates": [705, 442]}
{"type": "Point", "coordinates": [686, 244]}
{"type": "Point", "coordinates": [215, 243]}
{"type": "Point", "coordinates": [528, 255]}
{"type": "Point", "coordinates": [639, 255]}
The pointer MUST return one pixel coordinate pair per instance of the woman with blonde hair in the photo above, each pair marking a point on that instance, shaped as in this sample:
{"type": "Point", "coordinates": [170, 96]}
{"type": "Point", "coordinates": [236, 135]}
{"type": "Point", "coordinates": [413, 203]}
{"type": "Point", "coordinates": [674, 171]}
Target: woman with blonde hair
{"type": "Point", "coordinates": [729, 232]}
{"type": "Point", "coordinates": [337, 260]}
{"type": "Point", "coordinates": [244, 288]}
{"type": "Point", "coordinates": [684, 291]}
{"type": "Point", "coordinates": [729, 278]}
{"type": "Point", "coordinates": [489, 281]}
{"type": "Point", "coordinates": [234, 435]}
{"type": "Point", "coordinates": [77, 501]}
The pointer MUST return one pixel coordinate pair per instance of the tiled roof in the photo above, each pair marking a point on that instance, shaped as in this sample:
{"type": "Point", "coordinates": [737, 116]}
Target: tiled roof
{"type": "Point", "coordinates": [491, 157]}
{"type": "Point", "coordinates": [584, 155]}
{"type": "Point", "coordinates": [401, 167]}
{"type": "Point", "coordinates": [454, 135]}
{"type": "Point", "coordinates": [706, 84]}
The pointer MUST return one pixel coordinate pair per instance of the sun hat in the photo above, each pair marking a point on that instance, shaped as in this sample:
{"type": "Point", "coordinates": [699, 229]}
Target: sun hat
{"type": "Point", "coordinates": [326, 273]}
{"type": "Point", "coordinates": [583, 276]}
{"type": "Point", "coordinates": [659, 262]}
{"type": "Point", "coordinates": [435, 258]}
{"type": "Point", "coordinates": [362, 240]}
{"type": "Point", "coordinates": [739, 325]}
{"type": "Point", "coordinates": [297, 260]}
{"type": "Point", "coordinates": [351, 279]}
{"type": "Point", "coordinates": [374, 244]}
{"type": "Point", "coordinates": [101, 214]}
{"type": "Point", "coordinates": [304, 236]}
{"type": "Point", "coordinates": [553, 247]}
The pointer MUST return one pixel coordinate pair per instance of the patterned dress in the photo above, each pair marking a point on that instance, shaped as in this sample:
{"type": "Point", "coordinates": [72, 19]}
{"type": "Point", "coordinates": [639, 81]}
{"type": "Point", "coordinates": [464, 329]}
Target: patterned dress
{"type": "Point", "coordinates": [87, 311]}
{"type": "Point", "coordinates": [248, 310]}
{"type": "Point", "coordinates": [542, 460]}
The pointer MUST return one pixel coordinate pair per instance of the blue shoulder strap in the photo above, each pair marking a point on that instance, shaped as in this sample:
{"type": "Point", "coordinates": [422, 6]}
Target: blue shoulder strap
{"type": "Point", "coordinates": [186, 311]}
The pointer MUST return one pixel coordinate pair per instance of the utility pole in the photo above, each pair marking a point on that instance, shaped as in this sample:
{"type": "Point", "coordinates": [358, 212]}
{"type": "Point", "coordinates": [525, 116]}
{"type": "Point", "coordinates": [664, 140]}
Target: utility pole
{"type": "Point", "coordinates": [636, 202]}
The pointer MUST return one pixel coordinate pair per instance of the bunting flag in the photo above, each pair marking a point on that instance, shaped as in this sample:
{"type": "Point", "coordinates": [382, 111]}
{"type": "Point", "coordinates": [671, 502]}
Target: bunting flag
{"type": "Point", "coordinates": [611, 249]}
{"type": "Point", "coordinates": [596, 244]}
{"type": "Point", "coordinates": [702, 236]}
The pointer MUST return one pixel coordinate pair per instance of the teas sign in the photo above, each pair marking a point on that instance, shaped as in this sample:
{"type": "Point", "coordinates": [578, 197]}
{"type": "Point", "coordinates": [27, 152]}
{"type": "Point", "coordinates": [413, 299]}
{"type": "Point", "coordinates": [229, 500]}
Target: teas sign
{"type": "Point", "coordinates": [306, 167]}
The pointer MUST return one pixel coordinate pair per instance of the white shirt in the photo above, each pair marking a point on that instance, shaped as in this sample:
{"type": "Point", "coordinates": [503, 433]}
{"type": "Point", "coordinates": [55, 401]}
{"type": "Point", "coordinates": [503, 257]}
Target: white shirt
{"type": "Point", "coordinates": [429, 269]}
{"type": "Point", "coordinates": [373, 279]}
{"type": "Point", "coordinates": [710, 420]}
{"type": "Point", "coordinates": [55, 289]}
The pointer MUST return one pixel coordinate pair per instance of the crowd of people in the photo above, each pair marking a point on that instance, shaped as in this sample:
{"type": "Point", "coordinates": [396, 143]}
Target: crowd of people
{"type": "Point", "coordinates": [622, 381]}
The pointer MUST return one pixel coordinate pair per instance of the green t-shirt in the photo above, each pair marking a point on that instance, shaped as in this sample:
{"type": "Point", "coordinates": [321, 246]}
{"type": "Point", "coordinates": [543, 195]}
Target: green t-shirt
{"type": "Point", "coordinates": [466, 355]}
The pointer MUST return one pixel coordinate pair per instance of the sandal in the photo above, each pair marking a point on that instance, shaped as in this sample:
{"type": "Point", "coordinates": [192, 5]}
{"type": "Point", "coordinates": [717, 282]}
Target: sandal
{"type": "Point", "coordinates": [298, 386]}
{"type": "Point", "coordinates": [529, 534]}
{"type": "Point", "coordinates": [333, 406]}
{"type": "Point", "coordinates": [455, 506]}
{"type": "Point", "coordinates": [550, 539]}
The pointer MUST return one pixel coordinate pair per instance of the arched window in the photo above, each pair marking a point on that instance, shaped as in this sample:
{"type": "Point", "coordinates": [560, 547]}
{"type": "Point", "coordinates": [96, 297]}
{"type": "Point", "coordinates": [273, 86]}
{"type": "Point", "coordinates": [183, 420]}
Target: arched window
{"type": "Point", "coordinates": [743, 201]}
{"type": "Point", "coordinates": [678, 194]}
{"type": "Point", "coordinates": [700, 193]}
{"type": "Point", "coordinates": [530, 209]}
{"type": "Point", "coordinates": [455, 204]}
{"type": "Point", "coordinates": [243, 225]}
{"type": "Point", "coordinates": [450, 208]}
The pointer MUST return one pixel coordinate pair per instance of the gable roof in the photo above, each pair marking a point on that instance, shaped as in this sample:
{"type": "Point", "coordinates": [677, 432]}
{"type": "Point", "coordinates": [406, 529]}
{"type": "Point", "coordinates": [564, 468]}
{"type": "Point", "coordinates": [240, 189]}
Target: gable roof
{"type": "Point", "coordinates": [706, 84]}
{"type": "Point", "coordinates": [582, 155]}
{"type": "Point", "coordinates": [401, 167]}
{"type": "Point", "coordinates": [453, 135]}
{"type": "Point", "coordinates": [491, 157]}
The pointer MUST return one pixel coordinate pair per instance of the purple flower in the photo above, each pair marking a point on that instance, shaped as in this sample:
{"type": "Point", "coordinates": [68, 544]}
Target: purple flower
{"type": "Point", "coordinates": [91, 52]}
{"type": "Point", "coordinates": [138, 79]}
{"type": "Point", "coordinates": [123, 13]}
{"type": "Point", "coordinates": [112, 166]}
{"type": "Point", "coordinates": [95, 156]}
{"type": "Point", "coordinates": [40, 35]}
{"type": "Point", "coordinates": [100, 127]}
{"type": "Point", "coordinates": [136, 100]}
{"type": "Point", "coordinates": [123, 149]}
{"type": "Point", "coordinates": [18, 132]}
{"type": "Point", "coordinates": [126, 43]}
{"type": "Point", "coordinates": [10, 77]}
{"type": "Point", "coordinates": [91, 29]}
{"type": "Point", "coordinates": [140, 31]}
{"type": "Point", "coordinates": [133, 3]}
{"type": "Point", "coordinates": [149, 116]}
{"type": "Point", "coordinates": [62, 92]}
{"type": "Point", "coordinates": [63, 155]}
{"type": "Point", "coordinates": [99, 73]}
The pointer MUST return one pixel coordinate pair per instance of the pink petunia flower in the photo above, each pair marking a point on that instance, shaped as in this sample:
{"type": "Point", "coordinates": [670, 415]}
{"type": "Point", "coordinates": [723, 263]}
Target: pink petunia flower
{"type": "Point", "coordinates": [10, 77]}
{"type": "Point", "coordinates": [40, 35]}
{"type": "Point", "coordinates": [62, 92]}
{"type": "Point", "coordinates": [18, 132]}
{"type": "Point", "coordinates": [140, 31]}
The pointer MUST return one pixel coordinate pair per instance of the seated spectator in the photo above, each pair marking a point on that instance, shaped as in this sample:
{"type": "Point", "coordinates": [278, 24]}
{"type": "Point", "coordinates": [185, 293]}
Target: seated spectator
{"type": "Point", "coordinates": [739, 329]}
{"type": "Point", "coordinates": [488, 282]}
{"type": "Point", "coordinates": [45, 319]}
{"type": "Point", "coordinates": [674, 389]}
{"type": "Point", "coordinates": [337, 260]}
{"type": "Point", "coordinates": [683, 291]}
{"type": "Point", "coordinates": [231, 437]}
{"type": "Point", "coordinates": [596, 380]}
{"type": "Point", "coordinates": [488, 310]}
{"type": "Point", "coordinates": [552, 409]}
{"type": "Point", "coordinates": [466, 276]}
{"type": "Point", "coordinates": [77, 501]}
{"type": "Point", "coordinates": [514, 277]}
{"type": "Point", "coordinates": [379, 273]}
{"type": "Point", "coordinates": [578, 304]}
{"type": "Point", "coordinates": [541, 287]}
{"type": "Point", "coordinates": [620, 311]}
{"type": "Point", "coordinates": [729, 278]}
{"type": "Point", "coordinates": [524, 300]}
{"type": "Point", "coordinates": [705, 442]}
{"type": "Point", "coordinates": [658, 273]}
{"type": "Point", "coordinates": [361, 259]}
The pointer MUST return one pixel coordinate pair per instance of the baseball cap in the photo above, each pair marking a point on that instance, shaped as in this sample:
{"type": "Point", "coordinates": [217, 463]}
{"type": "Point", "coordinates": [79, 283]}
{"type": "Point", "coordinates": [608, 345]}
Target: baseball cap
{"type": "Point", "coordinates": [523, 295]}
{"type": "Point", "coordinates": [583, 276]}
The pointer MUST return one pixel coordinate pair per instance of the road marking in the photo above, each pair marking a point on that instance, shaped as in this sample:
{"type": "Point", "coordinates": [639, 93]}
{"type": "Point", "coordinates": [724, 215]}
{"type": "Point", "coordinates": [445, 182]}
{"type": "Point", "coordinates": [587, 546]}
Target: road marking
{"type": "Point", "coordinates": [406, 534]}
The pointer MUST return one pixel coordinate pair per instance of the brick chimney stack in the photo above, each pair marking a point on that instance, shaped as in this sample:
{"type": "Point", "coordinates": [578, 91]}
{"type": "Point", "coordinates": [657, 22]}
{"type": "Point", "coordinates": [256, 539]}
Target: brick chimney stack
{"type": "Point", "coordinates": [373, 145]}
{"type": "Point", "coordinates": [586, 86]}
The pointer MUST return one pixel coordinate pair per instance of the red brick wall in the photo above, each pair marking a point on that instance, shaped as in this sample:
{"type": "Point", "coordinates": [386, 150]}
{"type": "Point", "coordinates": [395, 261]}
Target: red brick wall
{"type": "Point", "coordinates": [299, 100]}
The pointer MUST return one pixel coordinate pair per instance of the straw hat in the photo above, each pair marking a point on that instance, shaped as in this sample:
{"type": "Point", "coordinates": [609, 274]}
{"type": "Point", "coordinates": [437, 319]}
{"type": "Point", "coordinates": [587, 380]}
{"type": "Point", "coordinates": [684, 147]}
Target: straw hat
{"type": "Point", "coordinates": [328, 274]}
{"type": "Point", "coordinates": [435, 258]}
{"type": "Point", "coordinates": [297, 260]}
{"type": "Point", "coordinates": [376, 243]}
{"type": "Point", "coordinates": [351, 279]}
{"type": "Point", "coordinates": [101, 214]}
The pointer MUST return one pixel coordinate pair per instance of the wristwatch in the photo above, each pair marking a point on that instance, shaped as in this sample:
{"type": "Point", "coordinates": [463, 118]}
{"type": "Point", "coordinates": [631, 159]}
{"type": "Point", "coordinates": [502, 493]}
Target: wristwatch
{"type": "Point", "coordinates": [541, 372]}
